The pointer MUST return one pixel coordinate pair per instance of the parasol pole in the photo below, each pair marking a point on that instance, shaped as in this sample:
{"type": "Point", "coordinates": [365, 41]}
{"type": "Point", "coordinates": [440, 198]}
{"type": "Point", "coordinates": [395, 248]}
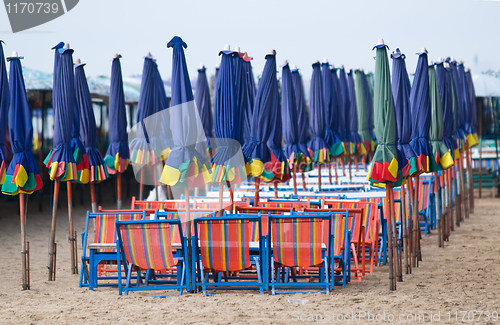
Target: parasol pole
{"type": "Point", "coordinates": [437, 197]}
{"type": "Point", "coordinates": [416, 225]}
{"type": "Point", "coordinates": [257, 186]}
{"type": "Point", "coordinates": [319, 176]}
{"type": "Point", "coordinates": [231, 196]}
{"type": "Point", "coordinates": [118, 190]}
{"type": "Point", "coordinates": [397, 255]}
{"type": "Point", "coordinates": [471, 180]}
{"type": "Point", "coordinates": [294, 178]}
{"type": "Point", "coordinates": [275, 190]}
{"type": "Point", "coordinates": [349, 162]}
{"type": "Point", "coordinates": [141, 186]}
{"type": "Point", "coordinates": [51, 265]}
{"type": "Point", "coordinates": [330, 172]}
{"type": "Point", "coordinates": [221, 199]}
{"type": "Point", "coordinates": [410, 219]}
{"type": "Point", "coordinates": [356, 162]}
{"type": "Point", "coordinates": [93, 199]}
{"type": "Point", "coordinates": [303, 182]}
{"type": "Point", "coordinates": [22, 210]}
{"type": "Point", "coordinates": [342, 162]}
{"type": "Point", "coordinates": [155, 173]}
{"type": "Point", "coordinates": [336, 172]}
{"type": "Point", "coordinates": [188, 234]}
{"type": "Point", "coordinates": [404, 230]}
{"type": "Point", "coordinates": [71, 229]}
{"type": "Point", "coordinates": [392, 282]}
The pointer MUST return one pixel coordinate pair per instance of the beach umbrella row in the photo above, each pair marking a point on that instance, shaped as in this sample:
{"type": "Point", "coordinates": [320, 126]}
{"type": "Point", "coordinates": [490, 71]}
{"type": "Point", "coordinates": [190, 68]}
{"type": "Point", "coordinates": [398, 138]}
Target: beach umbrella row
{"type": "Point", "coordinates": [4, 113]}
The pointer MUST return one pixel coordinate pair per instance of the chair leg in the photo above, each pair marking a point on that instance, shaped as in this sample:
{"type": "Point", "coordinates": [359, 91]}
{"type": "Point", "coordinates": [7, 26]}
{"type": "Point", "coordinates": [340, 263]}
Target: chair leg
{"type": "Point", "coordinates": [259, 278]}
{"type": "Point", "coordinates": [127, 283]}
{"type": "Point", "coordinates": [273, 288]}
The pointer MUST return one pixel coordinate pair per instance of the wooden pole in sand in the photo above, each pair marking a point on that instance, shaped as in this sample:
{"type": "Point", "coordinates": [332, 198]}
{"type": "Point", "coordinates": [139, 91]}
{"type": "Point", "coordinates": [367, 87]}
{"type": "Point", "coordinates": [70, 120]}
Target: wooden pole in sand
{"type": "Point", "coordinates": [404, 230]}
{"type": "Point", "coordinates": [355, 163]}
{"type": "Point", "coordinates": [118, 190]}
{"type": "Point", "coordinates": [392, 281]}
{"type": "Point", "coordinates": [397, 259]}
{"type": "Point", "coordinates": [275, 190]}
{"type": "Point", "coordinates": [330, 172]}
{"type": "Point", "coordinates": [294, 178]}
{"type": "Point", "coordinates": [71, 229]}
{"type": "Point", "coordinates": [416, 223]}
{"type": "Point", "coordinates": [141, 186]}
{"type": "Point", "coordinates": [257, 186]}
{"type": "Point", "coordinates": [231, 196]}
{"type": "Point", "coordinates": [410, 202]}
{"type": "Point", "coordinates": [319, 177]}
{"type": "Point", "coordinates": [336, 172]}
{"type": "Point", "coordinates": [342, 162]}
{"type": "Point", "coordinates": [471, 179]}
{"type": "Point", "coordinates": [303, 182]}
{"type": "Point", "coordinates": [51, 265]}
{"type": "Point", "coordinates": [22, 210]}
{"type": "Point", "coordinates": [188, 235]}
{"type": "Point", "coordinates": [437, 197]}
{"type": "Point", "coordinates": [221, 199]}
{"type": "Point", "coordinates": [93, 198]}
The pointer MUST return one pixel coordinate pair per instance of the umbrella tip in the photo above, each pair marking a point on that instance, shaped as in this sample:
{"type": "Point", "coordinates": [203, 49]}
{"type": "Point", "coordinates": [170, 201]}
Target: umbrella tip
{"type": "Point", "coordinates": [439, 60]}
{"type": "Point", "coordinates": [15, 54]}
{"type": "Point", "coordinates": [272, 52]}
{"type": "Point", "coordinates": [237, 49]}
{"type": "Point", "coordinates": [325, 60]}
{"type": "Point", "coordinates": [342, 67]}
{"type": "Point", "coordinates": [78, 61]}
{"type": "Point", "coordinates": [431, 63]}
{"type": "Point", "coordinates": [285, 62]}
{"type": "Point", "coordinates": [149, 54]}
{"type": "Point", "coordinates": [294, 67]}
{"type": "Point", "coordinates": [66, 45]}
{"type": "Point", "coordinates": [116, 56]}
{"type": "Point", "coordinates": [202, 66]}
{"type": "Point", "coordinates": [227, 47]}
{"type": "Point", "coordinates": [381, 41]}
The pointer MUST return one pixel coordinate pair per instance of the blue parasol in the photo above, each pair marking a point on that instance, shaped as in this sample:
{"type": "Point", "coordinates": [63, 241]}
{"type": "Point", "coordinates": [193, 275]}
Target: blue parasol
{"type": "Point", "coordinates": [330, 97]}
{"type": "Point", "coordinates": [472, 138]}
{"type": "Point", "coordinates": [346, 109]}
{"type": "Point", "coordinates": [202, 99]}
{"type": "Point", "coordinates": [247, 109]}
{"type": "Point", "coordinates": [407, 158]}
{"type": "Point", "coordinates": [318, 147]}
{"type": "Point", "coordinates": [300, 102]}
{"type": "Point", "coordinates": [359, 147]}
{"type": "Point", "coordinates": [4, 113]}
{"type": "Point", "coordinates": [22, 175]}
{"type": "Point", "coordinates": [184, 165]}
{"type": "Point", "coordinates": [60, 160]}
{"type": "Point", "coordinates": [227, 163]}
{"type": "Point", "coordinates": [88, 132]}
{"type": "Point", "coordinates": [265, 114]}
{"type": "Point", "coordinates": [421, 111]}
{"type": "Point", "coordinates": [117, 155]}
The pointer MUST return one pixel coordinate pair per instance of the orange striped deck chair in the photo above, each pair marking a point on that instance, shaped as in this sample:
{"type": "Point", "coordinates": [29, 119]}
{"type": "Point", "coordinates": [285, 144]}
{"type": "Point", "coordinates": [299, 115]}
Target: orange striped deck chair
{"type": "Point", "coordinates": [264, 211]}
{"type": "Point", "coordinates": [146, 245]}
{"type": "Point", "coordinates": [104, 235]}
{"type": "Point", "coordinates": [370, 231]}
{"type": "Point", "coordinates": [295, 205]}
{"type": "Point", "coordinates": [160, 205]}
{"type": "Point", "coordinates": [297, 240]}
{"type": "Point", "coordinates": [223, 245]}
{"type": "Point", "coordinates": [214, 205]}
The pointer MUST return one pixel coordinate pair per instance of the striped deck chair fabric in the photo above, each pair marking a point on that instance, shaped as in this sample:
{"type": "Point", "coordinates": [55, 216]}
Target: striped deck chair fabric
{"type": "Point", "coordinates": [147, 245]}
{"type": "Point", "coordinates": [296, 206]}
{"type": "Point", "coordinates": [160, 205]}
{"type": "Point", "coordinates": [297, 242]}
{"type": "Point", "coordinates": [105, 229]}
{"type": "Point", "coordinates": [224, 244]}
{"type": "Point", "coordinates": [264, 211]}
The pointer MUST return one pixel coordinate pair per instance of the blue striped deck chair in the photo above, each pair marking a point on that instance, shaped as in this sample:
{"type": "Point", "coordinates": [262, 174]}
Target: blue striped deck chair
{"type": "Point", "coordinates": [298, 240]}
{"type": "Point", "coordinates": [146, 245]}
{"type": "Point", "coordinates": [223, 244]}
{"type": "Point", "coordinates": [103, 249]}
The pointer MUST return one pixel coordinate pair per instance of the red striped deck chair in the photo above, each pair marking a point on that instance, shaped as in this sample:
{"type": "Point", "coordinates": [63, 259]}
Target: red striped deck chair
{"type": "Point", "coordinates": [182, 216]}
{"type": "Point", "coordinates": [214, 205]}
{"type": "Point", "coordinates": [424, 203]}
{"type": "Point", "coordinates": [370, 227]}
{"type": "Point", "coordinates": [295, 205]}
{"type": "Point", "coordinates": [160, 205]}
{"type": "Point", "coordinates": [146, 245]}
{"type": "Point", "coordinates": [224, 246]}
{"type": "Point", "coordinates": [104, 235]}
{"type": "Point", "coordinates": [298, 241]}
{"type": "Point", "coordinates": [264, 211]}
{"type": "Point", "coordinates": [355, 226]}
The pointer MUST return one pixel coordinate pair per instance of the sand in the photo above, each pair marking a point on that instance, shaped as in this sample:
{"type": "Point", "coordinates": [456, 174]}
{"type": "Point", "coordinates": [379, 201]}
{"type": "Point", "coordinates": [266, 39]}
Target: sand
{"type": "Point", "coordinates": [463, 276]}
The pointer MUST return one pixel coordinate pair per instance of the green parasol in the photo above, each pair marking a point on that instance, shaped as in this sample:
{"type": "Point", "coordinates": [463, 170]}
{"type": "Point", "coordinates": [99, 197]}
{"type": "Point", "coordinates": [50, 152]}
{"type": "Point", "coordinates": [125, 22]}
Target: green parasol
{"type": "Point", "coordinates": [384, 166]}
{"type": "Point", "coordinates": [441, 156]}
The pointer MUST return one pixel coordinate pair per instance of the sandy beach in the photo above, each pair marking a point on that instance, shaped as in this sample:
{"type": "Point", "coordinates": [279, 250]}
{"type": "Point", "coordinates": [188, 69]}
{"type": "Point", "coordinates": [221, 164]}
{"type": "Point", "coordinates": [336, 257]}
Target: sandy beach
{"type": "Point", "coordinates": [464, 276]}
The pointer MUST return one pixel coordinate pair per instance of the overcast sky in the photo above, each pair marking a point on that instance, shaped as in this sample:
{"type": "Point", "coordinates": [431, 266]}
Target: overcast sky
{"type": "Point", "coordinates": [300, 31]}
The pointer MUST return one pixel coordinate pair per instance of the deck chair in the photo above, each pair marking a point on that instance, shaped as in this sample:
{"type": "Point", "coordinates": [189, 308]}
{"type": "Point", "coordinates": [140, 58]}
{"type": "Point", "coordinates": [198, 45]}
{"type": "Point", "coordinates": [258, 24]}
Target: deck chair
{"type": "Point", "coordinates": [103, 249]}
{"type": "Point", "coordinates": [223, 244]}
{"type": "Point", "coordinates": [160, 205]}
{"type": "Point", "coordinates": [425, 204]}
{"type": "Point", "coordinates": [295, 205]}
{"type": "Point", "coordinates": [298, 240]}
{"type": "Point", "coordinates": [356, 232]}
{"type": "Point", "coordinates": [264, 212]}
{"type": "Point", "coordinates": [146, 245]}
